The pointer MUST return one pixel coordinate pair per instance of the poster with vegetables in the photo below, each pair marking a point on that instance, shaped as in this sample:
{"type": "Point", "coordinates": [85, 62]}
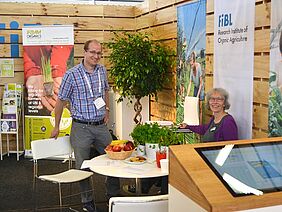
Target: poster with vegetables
{"type": "Point", "coordinates": [48, 54]}
{"type": "Point", "coordinates": [275, 78]}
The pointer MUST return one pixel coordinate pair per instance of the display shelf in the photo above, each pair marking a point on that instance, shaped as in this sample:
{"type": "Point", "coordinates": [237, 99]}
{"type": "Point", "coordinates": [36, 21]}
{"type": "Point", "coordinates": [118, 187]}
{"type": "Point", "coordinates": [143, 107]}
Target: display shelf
{"type": "Point", "coordinates": [10, 120]}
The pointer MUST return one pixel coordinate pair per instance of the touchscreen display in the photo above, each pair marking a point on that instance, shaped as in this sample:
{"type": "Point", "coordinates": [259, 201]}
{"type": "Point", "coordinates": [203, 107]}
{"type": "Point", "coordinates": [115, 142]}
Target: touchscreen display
{"type": "Point", "coordinates": [248, 168]}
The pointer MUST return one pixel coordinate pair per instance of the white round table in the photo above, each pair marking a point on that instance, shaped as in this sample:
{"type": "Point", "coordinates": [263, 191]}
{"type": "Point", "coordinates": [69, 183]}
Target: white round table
{"type": "Point", "coordinates": [119, 168]}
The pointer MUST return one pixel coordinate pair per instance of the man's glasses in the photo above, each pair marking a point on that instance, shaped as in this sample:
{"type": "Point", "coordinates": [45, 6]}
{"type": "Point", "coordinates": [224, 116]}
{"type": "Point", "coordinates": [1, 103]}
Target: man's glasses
{"type": "Point", "coordinates": [216, 99]}
{"type": "Point", "coordinates": [93, 52]}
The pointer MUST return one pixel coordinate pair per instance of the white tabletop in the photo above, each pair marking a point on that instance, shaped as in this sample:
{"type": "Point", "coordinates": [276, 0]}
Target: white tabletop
{"type": "Point", "coordinates": [119, 168]}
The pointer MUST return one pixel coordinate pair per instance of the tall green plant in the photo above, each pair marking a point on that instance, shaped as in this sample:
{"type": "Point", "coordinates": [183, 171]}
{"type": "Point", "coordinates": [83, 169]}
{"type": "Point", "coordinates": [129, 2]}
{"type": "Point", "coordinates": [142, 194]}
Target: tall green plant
{"type": "Point", "coordinates": [140, 66]}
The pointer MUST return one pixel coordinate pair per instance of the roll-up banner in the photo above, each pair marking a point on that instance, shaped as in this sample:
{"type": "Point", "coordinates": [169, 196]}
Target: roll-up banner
{"type": "Point", "coordinates": [191, 60]}
{"type": "Point", "coordinates": [234, 58]}
{"type": "Point", "coordinates": [48, 53]}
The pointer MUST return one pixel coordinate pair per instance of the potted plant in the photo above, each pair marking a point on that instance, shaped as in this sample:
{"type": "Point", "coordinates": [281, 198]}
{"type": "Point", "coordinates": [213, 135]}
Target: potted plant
{"type": "Point", "coordinates": [155, 138]}
{"type": "Point", "coordinates": [140, 67]}
{"type": "Point", "coordinates": [138, 135]}
{"type": "Point", "coordinates": [146, 135]}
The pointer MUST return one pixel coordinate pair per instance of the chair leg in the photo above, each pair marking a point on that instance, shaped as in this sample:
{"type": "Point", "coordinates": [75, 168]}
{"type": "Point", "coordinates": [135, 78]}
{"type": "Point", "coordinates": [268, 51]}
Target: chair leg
{"type": "Point", "coordinates": [34, 194]}
{"type": "Point", "coordinates": [60, 195]}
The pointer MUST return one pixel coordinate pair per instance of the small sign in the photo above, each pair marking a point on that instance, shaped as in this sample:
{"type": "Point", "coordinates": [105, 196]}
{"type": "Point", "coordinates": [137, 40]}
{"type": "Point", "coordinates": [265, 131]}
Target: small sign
{"type": "Point", "coordinates": [7, 68]}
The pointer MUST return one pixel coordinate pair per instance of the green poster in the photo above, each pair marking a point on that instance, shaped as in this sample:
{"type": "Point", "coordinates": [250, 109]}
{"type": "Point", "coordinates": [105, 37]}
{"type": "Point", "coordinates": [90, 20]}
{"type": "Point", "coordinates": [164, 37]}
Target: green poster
{"type": "Point", "coordinates": [6, 67]}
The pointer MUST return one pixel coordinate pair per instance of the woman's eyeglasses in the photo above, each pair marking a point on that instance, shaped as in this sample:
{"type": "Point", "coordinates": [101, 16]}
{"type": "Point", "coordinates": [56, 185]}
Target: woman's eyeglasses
{"type": "Point", "coordinates": [216, 99]}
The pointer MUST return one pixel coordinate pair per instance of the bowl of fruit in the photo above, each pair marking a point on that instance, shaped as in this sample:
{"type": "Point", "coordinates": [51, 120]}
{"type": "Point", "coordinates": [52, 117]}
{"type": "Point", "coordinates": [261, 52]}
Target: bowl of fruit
{"type": "Point", "coordinates": [120, 149]}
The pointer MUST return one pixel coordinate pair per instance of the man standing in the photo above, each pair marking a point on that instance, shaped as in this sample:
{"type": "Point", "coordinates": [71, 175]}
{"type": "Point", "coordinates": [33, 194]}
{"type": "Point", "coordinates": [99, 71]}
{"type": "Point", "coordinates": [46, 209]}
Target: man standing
{"type": "Point", "coordinates": [85, 87]}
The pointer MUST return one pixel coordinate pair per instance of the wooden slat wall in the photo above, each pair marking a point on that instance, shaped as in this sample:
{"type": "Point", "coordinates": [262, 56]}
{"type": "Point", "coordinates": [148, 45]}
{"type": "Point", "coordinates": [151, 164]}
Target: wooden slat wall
{"type": "Point", "coordinates": [160, 19]}
{"type": "Point", "coordinates": [90, 21]}
{"type": "Point", "coordinates": [153, 16]}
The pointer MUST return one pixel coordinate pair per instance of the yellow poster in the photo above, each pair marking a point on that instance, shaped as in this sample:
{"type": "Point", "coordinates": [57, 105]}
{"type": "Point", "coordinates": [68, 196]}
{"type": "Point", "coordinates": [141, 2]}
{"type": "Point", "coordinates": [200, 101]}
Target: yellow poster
{"type": "Point", "coordinates": [38, 127]}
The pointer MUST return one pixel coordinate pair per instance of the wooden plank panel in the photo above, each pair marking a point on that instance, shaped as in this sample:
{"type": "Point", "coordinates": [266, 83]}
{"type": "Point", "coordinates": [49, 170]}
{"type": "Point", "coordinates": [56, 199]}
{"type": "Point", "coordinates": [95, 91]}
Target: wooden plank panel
{"type": "Point", "coordinates": [167, 97]}
{"type": "Point", "coordinates": [82, 36]}
{"type": "Point", "coordinates": [160, 110]}
{"type": "Point", "coordinates": [209, 64]}
{"type": "Point", "coordinates": [7, 33]}
{"type": "Point", "coordinates": [68, 9]}
{"type": "Point", "coordinates": [166, 15]}
{"type": "Point", "coordinates": [262, 15]}
{"type": "Point", "coordinates": [210, 24]}
{"type": "Point", "coordinates": [141, 8]}
{"type": "Point", "coordinates": [147, 20]}
{"type": "Point", "coordinates": [209, 44]}
{"type": "Point", "coordinates": [20, 8]}
{"type": "Point", "coordinates": [261, 66]}
{"type": "Point", "coordinates": [259, 134]}
{"type": "Point", "coordinates": [86, 23]}
{"type": "Point", "coordinates": [260, 92]}
{"type": "Point", "coordinates": [5, 50]}
{"type": "Point", "coordinates": [171, 44]}
{"type": "Point", "coordinates": [71, 10]}
{"type": "Point", "coordinates": [260, 117]}
{"type": "Point", "coordinates": [262, 40]}
{"type": "Point", "coordinates": [18, 62]}
{"type": "Point", "coordinates": [208, 83]}
{"type": "Point", "coordinates": [18, 78]}
{"type": "Point", "coordinates": [210, 6]}
{"type": "Point", "coordinates": [167, 31]}
{"type": "Point", "coordinates": [157, 4]}
{"type": "Point", "coordinates": [79, 36]}
{"type": "Point", "coordinates": [118, 11]}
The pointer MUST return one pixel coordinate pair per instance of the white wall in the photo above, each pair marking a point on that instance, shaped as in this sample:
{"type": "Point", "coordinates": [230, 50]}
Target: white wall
{"type": "Point", "coordinates": [122, 114]}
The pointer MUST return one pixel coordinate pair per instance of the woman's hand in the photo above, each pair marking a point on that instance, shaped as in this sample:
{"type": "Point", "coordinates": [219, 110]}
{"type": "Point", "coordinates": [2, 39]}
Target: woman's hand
{"type": "Point", "coordinates": [183, 125]}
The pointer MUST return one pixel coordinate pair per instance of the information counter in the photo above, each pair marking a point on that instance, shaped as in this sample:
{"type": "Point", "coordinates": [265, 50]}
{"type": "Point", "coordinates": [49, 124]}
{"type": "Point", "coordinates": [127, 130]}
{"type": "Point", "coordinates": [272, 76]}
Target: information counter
{"type": "Point", "coordinates": [243, 175]}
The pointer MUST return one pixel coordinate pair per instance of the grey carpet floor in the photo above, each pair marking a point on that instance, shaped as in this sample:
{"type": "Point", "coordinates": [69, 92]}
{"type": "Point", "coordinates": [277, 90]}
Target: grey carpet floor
{"type": "Point", "coordinates": [16, 187]}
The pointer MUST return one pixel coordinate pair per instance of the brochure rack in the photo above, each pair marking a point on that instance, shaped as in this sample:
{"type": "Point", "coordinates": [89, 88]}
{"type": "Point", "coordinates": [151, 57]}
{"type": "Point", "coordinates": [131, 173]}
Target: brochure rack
{"type": "Point", "coordinates": [11, 117]}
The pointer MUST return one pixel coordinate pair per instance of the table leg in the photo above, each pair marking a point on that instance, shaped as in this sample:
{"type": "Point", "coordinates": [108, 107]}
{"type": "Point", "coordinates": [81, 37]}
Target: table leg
{"type": "Point", "coordinates": [138, 186]}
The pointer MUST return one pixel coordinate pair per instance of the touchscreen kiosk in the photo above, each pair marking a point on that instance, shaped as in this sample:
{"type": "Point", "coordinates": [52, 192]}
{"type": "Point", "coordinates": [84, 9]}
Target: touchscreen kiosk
{"type": "Point", "coordinates": [246, 169]}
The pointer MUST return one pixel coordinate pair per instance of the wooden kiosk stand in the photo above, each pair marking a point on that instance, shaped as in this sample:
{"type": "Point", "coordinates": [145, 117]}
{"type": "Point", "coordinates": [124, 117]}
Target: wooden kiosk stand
{"type": "Point", "coordinates": [196, 185]}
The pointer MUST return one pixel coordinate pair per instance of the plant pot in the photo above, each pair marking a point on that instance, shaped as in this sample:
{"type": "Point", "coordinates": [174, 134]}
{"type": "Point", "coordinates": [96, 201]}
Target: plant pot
{"type": "Point", "coordinates": [141, 150]}
{"type": "Point", "coordinates": [151, 151]}
{"type": "Point", "coordinates": [159, 156]}
{"type": "Point", "coordinates": [48, 88]}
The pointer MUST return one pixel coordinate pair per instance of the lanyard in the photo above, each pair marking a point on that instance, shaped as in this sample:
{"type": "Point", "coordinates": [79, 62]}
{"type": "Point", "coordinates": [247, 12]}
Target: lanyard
{"type": "Point", "coordinates": [89, 85]}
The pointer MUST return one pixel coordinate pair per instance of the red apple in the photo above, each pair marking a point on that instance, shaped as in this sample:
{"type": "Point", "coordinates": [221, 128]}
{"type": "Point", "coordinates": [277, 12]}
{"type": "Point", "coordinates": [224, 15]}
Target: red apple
{"type": "Point", "coordinates": [117, 148]}
{"type": "Point", "coordinates": [130, 144]}
{"type": "Point", "coordinates": [127, 148]}
{"type": "Point", "coordinates": [109, 148]}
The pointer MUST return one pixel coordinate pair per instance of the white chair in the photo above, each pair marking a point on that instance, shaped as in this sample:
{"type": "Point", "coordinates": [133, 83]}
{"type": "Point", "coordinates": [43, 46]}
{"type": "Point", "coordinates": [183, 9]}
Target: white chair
{"type": "Point", "coordinates": [157, 203]}
{"type": "Point", "coordinates": [46, 148]}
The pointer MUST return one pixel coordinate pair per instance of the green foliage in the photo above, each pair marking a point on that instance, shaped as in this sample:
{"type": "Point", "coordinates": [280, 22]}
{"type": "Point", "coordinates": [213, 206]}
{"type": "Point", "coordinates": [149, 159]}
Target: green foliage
{"type": "Point", "coordinates": [46, 68]}
{"type": "Point", "coordinates": [140, 66]}
{"type": "Point", "coordinates": [153, 133]}
{"type": "Point", "coordinates": [275, 112]}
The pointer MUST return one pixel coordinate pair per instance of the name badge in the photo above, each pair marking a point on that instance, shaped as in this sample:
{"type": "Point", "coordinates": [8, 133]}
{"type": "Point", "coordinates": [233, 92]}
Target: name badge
{"type": "Point", "coordinates": [212, 129]}
{"type": "Point", "coordinates": [99, 103]}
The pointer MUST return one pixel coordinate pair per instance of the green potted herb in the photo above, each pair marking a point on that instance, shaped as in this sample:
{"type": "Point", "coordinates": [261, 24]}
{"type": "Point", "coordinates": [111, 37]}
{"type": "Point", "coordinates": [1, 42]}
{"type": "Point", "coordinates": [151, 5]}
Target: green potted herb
{"type": "Point", "coordinates": [146, 137]}
{"type": "Point", "coordinates": [140, 67]}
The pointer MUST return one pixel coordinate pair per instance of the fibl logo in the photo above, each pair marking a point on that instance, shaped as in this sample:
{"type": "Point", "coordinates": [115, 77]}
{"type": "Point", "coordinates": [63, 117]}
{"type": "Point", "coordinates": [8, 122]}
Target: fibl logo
{"type": "Point", "coordinates": [14, 38]}
{"type": "Point", "coordinates": [224, 20]}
